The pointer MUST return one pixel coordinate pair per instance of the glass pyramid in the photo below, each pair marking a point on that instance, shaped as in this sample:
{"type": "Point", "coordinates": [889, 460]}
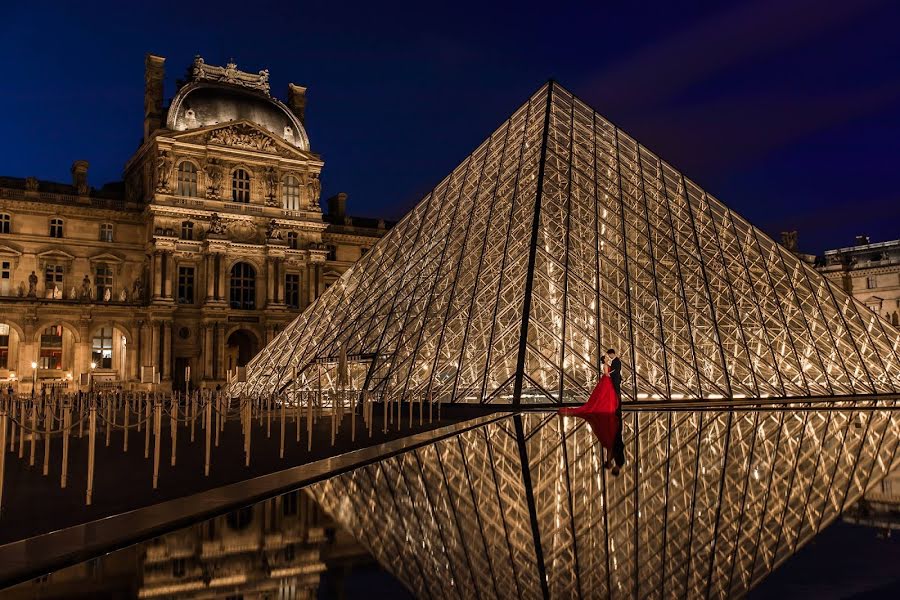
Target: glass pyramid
{"type": "Point", "coordinates": [558, 237]}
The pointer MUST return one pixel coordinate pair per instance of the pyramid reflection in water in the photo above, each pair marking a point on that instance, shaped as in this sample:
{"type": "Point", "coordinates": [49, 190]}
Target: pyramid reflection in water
{"type": "Point", "coordinates": [561, 236]}
{"type": "Point", "coordinates": [722, 498]}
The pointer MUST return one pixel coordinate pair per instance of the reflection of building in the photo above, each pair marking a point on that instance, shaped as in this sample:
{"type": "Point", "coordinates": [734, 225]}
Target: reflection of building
{"type": "Point", "coordinates": [273, 549]}
{"type": "Point", "coordinates": [269, 550]}
{"type": "Point", "coordinates": [871, 272]}
{"type": "Point", "coordinates": [213, 242]}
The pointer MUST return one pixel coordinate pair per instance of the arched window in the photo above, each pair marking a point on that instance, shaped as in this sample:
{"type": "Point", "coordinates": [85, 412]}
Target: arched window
{"type": "Point", "coordinates": [51, 348]}
{"type": "Point", "coordinates": [290, 193]}
{"type": "Point", "coordinates": [56, 228]}
{"type": "Point", "coordinates": [187, 230]}
{"type": "Point", "coordinates": [101, 349]}
{"type": "Point", "coordinates": [240, 186]}
{"type": "Point", "coordinates": [186, 179]}
{"type": "Point", "coordinates": [5, 221]}
{"type": "Point", "coordinates": [243, 286]}
{"type": "Point", "coordinates": [293, 240]}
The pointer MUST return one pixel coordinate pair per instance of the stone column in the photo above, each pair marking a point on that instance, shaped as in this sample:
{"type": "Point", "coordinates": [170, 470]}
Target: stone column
{"type": "Point", "coordinates": [172, 272]}
{"type": "Point", "coordinates": [207, 351]}
{"type": "Point", "coordinates": [279, 279]}
{"type": "Point", "coordinates": [220, 351]}
{"type": "Point", "coordinates": [131, 371]}
{"type": "Point", "coordinates": [154, 346]}
{"type": "Point", "coordinates": [167, 351]}
{"type": "Point", "coordinates": [310, 284]}
{"type": "Point", "coordinates": [210, 277]}
{"type": "Point", "coordinates": [223, 289]}
{"type": "Point", "coordinates": [157, 274]}
{"type": "Point", "coordinates": [270, 281]}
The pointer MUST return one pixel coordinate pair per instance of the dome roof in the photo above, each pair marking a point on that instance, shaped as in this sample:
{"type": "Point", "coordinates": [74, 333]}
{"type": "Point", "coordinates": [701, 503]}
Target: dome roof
{"type": "Point", "coordinates": [201, 104]}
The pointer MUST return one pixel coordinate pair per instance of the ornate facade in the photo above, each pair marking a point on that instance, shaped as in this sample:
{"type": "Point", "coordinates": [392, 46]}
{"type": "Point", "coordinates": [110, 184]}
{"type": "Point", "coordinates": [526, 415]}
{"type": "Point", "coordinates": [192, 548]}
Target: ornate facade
{"type": "Point", "coordinates": [214, 241]}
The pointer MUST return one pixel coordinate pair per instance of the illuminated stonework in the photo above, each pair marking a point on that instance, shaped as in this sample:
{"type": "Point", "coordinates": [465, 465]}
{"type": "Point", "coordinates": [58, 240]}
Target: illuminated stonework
{"type": "Point", "coordinates": [561, 236]}
{"type": "Point", "coordinates": [714, 501]}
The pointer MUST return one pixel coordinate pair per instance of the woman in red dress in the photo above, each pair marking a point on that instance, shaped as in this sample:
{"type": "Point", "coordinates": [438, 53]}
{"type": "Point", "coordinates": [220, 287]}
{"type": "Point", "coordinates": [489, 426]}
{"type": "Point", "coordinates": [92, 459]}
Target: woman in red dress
{"type": "Point", "coordinates": [600, 413]}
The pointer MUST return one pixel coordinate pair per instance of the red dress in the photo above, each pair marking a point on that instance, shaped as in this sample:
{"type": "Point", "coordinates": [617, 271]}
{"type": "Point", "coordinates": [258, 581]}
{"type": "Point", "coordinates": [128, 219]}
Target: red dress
{"type": "Point", "coordinates": [603, 400]}
{"type": "Point", "coordinates": [600, 412]}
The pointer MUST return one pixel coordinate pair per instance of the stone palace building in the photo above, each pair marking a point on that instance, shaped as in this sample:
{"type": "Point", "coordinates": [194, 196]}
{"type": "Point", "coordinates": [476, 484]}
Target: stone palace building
{"type": "Point", "coordinates": [212, 243]}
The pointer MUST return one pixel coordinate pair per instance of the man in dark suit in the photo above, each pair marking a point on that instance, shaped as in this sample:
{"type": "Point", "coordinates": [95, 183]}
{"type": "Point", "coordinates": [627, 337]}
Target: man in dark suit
{"type": "Point", "coordinates": [615, 375]}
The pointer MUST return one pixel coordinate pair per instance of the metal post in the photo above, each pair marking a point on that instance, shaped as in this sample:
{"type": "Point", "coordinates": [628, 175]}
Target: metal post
{"type": "Point", "coordinates": [157, 438]}
{"type": "Point", "coordinates": [208, 412]}
{"type": "Point", "coordinates": [67, 425]}
{"type": "Point", "coordinates": [92, 434]}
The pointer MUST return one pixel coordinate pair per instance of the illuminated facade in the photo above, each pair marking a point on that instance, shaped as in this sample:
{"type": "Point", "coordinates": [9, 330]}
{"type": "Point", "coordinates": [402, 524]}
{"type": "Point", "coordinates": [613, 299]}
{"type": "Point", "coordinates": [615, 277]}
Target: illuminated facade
{"type": "Point", "coordinates": [214, 241]}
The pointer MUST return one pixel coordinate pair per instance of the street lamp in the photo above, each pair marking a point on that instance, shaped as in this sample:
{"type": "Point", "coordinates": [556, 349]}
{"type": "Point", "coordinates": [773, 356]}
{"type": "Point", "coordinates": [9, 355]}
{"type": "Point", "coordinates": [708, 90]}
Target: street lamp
{"type": "Point", "coordinates": [33, 377]}
{"type": "Point", "coordinates": [91, 376]}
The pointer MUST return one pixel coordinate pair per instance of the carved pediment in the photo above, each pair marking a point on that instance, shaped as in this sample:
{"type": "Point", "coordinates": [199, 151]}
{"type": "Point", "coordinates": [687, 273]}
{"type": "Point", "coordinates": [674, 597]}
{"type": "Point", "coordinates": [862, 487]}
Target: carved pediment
{"type": "Point", "coordinates": [10, 250]}
{"type": "Point", "coordinates": [239, 134]}
{"type": "Point", "coordinates": [55, 254]}
{"type": "Point", "coordinates": [106, 257]}
{"type": "Point", "coordinates": [10, 253]}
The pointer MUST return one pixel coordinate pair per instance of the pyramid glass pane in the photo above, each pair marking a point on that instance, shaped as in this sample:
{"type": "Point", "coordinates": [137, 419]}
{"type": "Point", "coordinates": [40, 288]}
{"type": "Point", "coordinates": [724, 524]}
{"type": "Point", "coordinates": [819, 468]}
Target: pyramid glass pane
{"type": "Point", "coordinates": [558, 237]}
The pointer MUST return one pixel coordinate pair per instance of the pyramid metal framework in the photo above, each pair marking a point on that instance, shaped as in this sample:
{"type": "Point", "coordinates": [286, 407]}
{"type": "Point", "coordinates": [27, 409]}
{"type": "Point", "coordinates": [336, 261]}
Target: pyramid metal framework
{"type": "Point", "coordinates": [558, 237]}
{"type": "Point", "coordinates": [709, 504]}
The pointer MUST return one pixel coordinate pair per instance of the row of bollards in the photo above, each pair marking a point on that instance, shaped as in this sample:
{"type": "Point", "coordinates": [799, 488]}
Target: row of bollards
{"type": "Point", "coordinates": [26, 419]}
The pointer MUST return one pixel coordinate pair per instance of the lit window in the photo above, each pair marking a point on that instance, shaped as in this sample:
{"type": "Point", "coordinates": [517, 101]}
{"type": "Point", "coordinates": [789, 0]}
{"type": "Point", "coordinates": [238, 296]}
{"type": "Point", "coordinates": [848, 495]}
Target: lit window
{"type": "Point", "coordinates": [293, 240]}
{"type": "Point", "coordinates": [101, 350]}
{"type": "Point", "coordinates": [185, 285]}
{"type": "Point", "coordinates": [292, 290]}
{"type": "Point", "coordinates": [187, 230]}
{"type": "Point", "coordinates": [4, 346]}
{"type": "Point", "coordinates": [51, 348]}
{"type": "Point", "coordinates": [243, 286]}
{"type": "Point", "coordinates": [56, 228]}
{"type": "Point", "coordinates": [53, 277]}
{"type": "Point", "coordinates": [106, 232]}
{"type": "Point", "coordinates": [290, 193]}
{"type": "Point", "coordinates": [240, 186]}
{"type": "Point", "coordinates": [186, 179]}
{"type": "Point", "coordinates": [5, 221]}
{"type": "Point", "coordinates": [872, 282]}
{"type": "Point", "coordinates": [103, 280]}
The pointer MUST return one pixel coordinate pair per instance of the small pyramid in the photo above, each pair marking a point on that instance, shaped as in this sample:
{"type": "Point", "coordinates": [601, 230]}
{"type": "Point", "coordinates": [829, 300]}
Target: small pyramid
{"type": "Point", "coordinates": [557, 238]}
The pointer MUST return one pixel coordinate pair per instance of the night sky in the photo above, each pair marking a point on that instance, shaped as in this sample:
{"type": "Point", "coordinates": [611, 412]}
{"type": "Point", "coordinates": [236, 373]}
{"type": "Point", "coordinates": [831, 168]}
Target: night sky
{"type": "Point", "coordinates": [787, 110]}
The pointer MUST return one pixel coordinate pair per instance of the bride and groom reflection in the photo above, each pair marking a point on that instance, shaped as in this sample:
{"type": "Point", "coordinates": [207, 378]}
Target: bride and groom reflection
{"type": "Point", "coordinates": [603, 412]}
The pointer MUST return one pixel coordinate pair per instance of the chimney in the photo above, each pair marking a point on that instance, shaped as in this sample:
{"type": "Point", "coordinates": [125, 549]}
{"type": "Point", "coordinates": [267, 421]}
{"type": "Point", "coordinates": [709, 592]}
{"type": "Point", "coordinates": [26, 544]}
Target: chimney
{"type": "Point", "coordinates": [337, 205]}
{"type": "Point", "coordinates": [79, 177]}
{"type": "Point", "coordinates": [153, 94]}
{"type": "Point", "coordinates": [297, 101]}
{"type": "Point", "coordinates": [862, 240]}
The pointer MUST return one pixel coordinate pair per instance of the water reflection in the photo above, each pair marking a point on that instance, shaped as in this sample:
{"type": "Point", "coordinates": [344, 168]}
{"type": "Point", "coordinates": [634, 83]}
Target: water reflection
{"type": "Point", "coordinates": [708, 503]}
{"type": "Point", "coordinates": [275, 549]}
